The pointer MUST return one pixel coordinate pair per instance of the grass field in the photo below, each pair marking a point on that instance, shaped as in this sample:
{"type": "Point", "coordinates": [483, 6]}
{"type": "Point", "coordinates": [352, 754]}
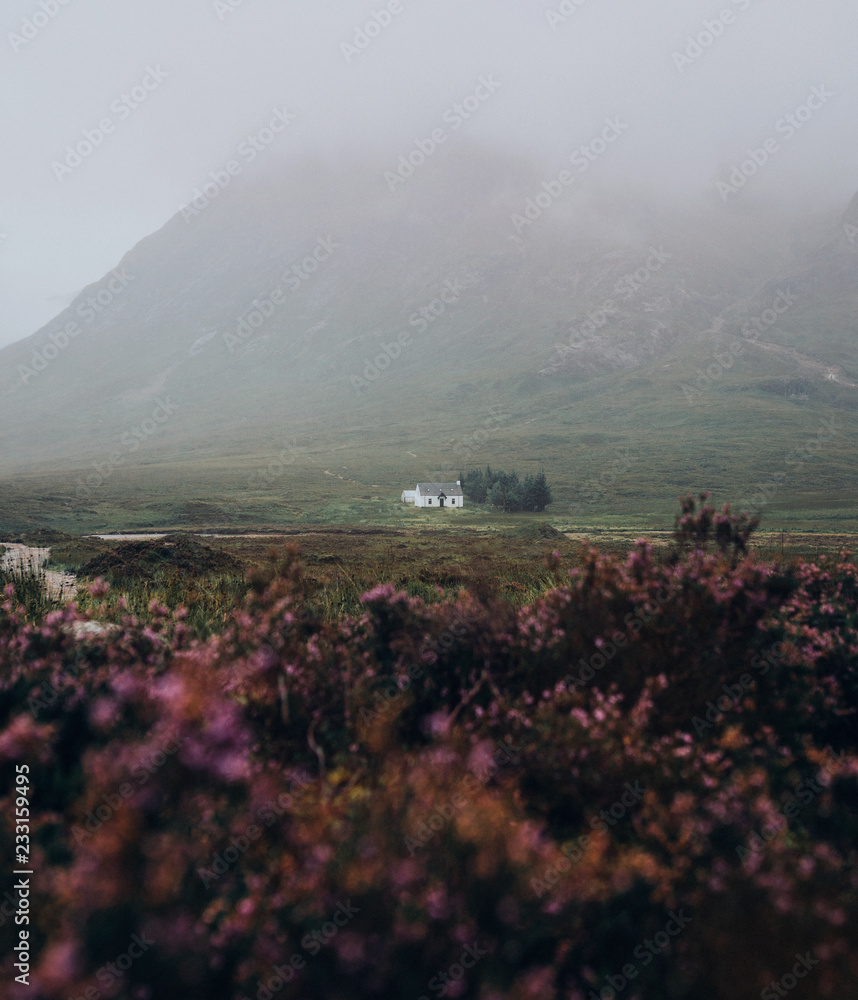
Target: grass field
{"type": "Point", "coordinates": [617, 449]}
{"type": "Point", "coordinates": [431, 558]}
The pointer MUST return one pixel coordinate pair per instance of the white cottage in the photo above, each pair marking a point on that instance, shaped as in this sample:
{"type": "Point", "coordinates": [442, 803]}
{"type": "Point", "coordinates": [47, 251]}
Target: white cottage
{"type": "Point", "coordinates": [435, 495]}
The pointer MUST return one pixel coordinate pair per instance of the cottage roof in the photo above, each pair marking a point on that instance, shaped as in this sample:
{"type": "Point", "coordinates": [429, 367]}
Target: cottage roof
{"type": "Point", "coordinates": [436, 489]}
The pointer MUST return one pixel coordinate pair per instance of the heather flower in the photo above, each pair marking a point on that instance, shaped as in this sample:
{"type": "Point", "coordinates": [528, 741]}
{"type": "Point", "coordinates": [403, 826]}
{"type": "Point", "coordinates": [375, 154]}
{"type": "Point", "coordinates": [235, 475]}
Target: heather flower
{"type": "Point", "coordinates": [620, 697]}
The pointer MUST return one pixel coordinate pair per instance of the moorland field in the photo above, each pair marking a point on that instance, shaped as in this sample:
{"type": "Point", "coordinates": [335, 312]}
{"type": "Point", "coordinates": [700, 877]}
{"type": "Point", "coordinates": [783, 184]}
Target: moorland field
{"type": "Point", "coordinates": [437, 760]}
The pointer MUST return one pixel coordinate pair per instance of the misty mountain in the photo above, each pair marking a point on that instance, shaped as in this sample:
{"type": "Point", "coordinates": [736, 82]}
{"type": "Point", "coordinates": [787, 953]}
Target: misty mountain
{"type": "Point", "coordinates": [317, 310]}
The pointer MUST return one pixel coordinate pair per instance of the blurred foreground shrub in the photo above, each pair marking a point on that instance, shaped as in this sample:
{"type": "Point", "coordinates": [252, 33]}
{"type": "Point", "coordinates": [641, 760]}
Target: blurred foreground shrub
{"type": "Point", "coordinates": [645, 785]}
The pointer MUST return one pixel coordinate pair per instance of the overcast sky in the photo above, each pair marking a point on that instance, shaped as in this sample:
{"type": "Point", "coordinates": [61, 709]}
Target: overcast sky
{"type": "Point", "coordinates": [184, 86]}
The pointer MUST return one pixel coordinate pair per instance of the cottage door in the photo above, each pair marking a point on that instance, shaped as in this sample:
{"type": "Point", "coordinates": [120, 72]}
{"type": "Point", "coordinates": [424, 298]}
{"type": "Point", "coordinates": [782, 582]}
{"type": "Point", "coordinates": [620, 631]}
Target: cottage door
{"type": "Point", "coordinates": [441, 499]}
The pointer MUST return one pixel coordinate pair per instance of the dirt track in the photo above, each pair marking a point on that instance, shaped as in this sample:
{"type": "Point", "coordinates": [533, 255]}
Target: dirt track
{"type": "Point", "coordinates": [806, 366]}
{"type": "Point", "coordinates": [61, 586]}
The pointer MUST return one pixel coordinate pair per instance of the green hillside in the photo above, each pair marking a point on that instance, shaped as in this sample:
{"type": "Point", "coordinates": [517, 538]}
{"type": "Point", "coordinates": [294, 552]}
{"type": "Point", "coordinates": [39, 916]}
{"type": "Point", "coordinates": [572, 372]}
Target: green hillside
{"type": "Point", "coordinates": [308, 346]}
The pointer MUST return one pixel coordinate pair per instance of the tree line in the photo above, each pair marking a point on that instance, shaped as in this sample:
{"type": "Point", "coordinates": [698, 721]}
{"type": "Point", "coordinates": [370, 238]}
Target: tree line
{"type": "Point", "coordinates": [505, 490]}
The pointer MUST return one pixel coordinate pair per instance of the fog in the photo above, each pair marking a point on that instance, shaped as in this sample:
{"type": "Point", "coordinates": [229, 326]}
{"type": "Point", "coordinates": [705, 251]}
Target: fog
{"type": "Point", "coordinates": [115, 115]}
